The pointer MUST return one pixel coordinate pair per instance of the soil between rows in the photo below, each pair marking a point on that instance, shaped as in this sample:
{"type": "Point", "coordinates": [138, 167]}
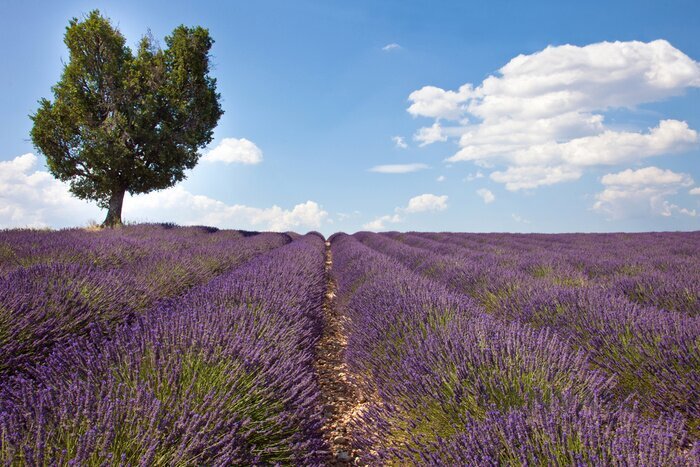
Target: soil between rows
{"type": "Point", "coordinates": [340, 398]}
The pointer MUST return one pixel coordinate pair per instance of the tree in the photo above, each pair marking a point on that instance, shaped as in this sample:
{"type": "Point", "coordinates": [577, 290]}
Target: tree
{"type": "Point", "coordinates": [121, 122]}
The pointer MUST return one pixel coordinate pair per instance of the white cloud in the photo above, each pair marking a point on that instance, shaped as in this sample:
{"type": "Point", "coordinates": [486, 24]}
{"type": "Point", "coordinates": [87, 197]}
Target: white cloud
{"type": "Point", "coordinates": [527, 177]}
{"type": "Point", "coordinates": [430, 101]}
{"type": "Point", "coordinates": [441, 178]}
{"type": "Point", "coordinates": [545, 110]}
{"type": "Point", "coordinates": [422, 203]}
{"type": "Point", "coordinates": [399, 142]}
{"type": "Point", "coordinates": [669, 209]}
{"type": "Point", "coordinates": [426, 202]}
{"type": "Point", "coordinates": [380, 223]}
{"type": "Point", "coordinates": [648, 176]}
{"type": "Point", "coordinates": [695, 191]}
{"type": "Point", "coordinates": [520, 219]}
{"type": "Point", "coordinates": [234, 150]}
{"type": "Point", "coordinates": [473, 176]}
{"type": "Point", "coordinates": [398, 168]}
{"type": "Point", "coordinates": [430, 135]}
{"type": "Point", "coordinates": [611, 147]}
{"type": "Point", "coordinates": [390, 47]}
{"type": "Point", "coordinates": [642, 192]}
{"type": "Point", "coordinates": [182, 207]}
{"type": "Point", "coordinates": [33, 198]}
{"type": "Point", "coordinates": [342, 216]}
{"type": "Point", "coordinates": [486, 195]}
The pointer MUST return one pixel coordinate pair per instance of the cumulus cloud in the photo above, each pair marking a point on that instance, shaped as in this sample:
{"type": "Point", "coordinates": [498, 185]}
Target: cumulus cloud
{"type": "Point", "coordinates": [486, 195]}
{"type": "Point", "coordinates": [637, 193]}
{"type": "Point", "coordinates": [426, 202]}
{"type": "Point", "coordinates": [422, 203]}
{"type": "Point", "coordinates": [235, 151]}
{"type": "Point", "coordinates": [182, 207]}
{"type": "Point", "coordinates": [391, 47]}
{"type": "Point", "coordinates": [648, 176]}
{"type": "Point", "coordinates": [526, 177]}
{"type": "Point", "coordinates": [695, 191]}
{"type": "Point", "coordinates": [33, 198]}
{"type": "Point", "coordinates": [441, 178]}
{"type": "Point", "coordinates": [611, 147]}
{"type": "Point", "coordinates": [342, 216]}
{"type": "Point", "coordinates": [430, 135]}
{"type": "Point", "coordinates": [398, 168]}
{"type": "Point", "coordinates": [431, 101]}
{"type": "Point", "coordinates": [541, 116]}
{"type": "Point", "coordinates": [473, 176]}
{"type": "Point", "coordinates": [399, 142]}
{"type": "Point", "coordinates": [519, 219]}
{"type": "Point", "coordinates": [380, 223]}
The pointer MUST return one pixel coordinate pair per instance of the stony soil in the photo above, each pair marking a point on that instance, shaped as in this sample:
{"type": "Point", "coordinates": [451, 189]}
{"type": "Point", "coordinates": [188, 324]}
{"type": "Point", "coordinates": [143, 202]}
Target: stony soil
{"type": "Point", "coordinates": [340, 399]}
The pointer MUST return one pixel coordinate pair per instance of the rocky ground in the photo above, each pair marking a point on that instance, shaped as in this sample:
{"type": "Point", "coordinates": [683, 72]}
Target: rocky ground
{"type": "Point", "coordinates": [341, 399]}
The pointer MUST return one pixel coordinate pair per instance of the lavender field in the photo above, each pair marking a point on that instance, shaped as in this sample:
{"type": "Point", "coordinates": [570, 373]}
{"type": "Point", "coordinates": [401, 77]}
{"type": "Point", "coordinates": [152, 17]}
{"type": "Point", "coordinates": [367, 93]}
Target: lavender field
{"type": "Point", "coordinates": [163, 345]}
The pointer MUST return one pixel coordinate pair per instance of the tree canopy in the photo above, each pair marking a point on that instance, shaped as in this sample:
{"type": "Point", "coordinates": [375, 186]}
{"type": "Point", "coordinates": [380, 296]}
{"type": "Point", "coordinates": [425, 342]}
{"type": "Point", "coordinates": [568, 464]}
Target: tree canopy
{"type": "Point", "coordinates": [127, 122]}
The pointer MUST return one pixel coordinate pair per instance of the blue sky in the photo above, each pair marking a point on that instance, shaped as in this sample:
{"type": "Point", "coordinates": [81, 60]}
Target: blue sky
{"type": "Point", "coordinates": [600, 135]}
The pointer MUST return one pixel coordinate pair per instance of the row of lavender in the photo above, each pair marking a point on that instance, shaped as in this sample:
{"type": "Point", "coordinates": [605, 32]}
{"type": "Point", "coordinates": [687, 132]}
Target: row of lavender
{"type": "Point", "coordinates": [57, 283]}
{"type": "Point", "coordinates": [220, 375]}
{"type": "Point", "coordinates": [653, 352]}
{"type": "Point", "coordinates": [653, 269]}
{"type": "Point", "coordinates": [453, 375]}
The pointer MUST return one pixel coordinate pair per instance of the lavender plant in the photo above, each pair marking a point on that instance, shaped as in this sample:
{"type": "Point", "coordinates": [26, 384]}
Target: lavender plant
{"type": "Point", "coordinates": [450, 380]}
{"type": "Point", "coordinates": [221, 375]}
{"type": "Point", "coordinates": [158, 344]}
{"type": "Point", "coordinates": [107, 281]}
{"type": "Point", "coordinates": [653, 352]}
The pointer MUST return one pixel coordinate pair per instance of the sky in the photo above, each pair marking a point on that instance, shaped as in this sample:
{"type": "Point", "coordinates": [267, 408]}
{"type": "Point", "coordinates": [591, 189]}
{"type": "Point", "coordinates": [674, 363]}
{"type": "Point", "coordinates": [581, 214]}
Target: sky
{"type": "Point", "coordinates": [398, 115]}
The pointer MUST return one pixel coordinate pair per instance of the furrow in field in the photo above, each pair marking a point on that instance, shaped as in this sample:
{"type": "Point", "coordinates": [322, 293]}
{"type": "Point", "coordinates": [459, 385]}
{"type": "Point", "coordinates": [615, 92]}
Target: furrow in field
{"type": "Point", "coordinates": [340, 397]}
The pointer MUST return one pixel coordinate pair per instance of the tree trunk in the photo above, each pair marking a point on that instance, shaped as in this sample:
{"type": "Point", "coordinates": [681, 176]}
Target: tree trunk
{"type": "Point", "coordinates": [114, 213]}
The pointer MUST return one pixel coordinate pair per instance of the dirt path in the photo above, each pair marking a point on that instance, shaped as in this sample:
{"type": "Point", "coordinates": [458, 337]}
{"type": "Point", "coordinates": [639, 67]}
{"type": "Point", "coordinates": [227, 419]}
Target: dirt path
{"type": "Point", "coordinates": [339, 397]}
